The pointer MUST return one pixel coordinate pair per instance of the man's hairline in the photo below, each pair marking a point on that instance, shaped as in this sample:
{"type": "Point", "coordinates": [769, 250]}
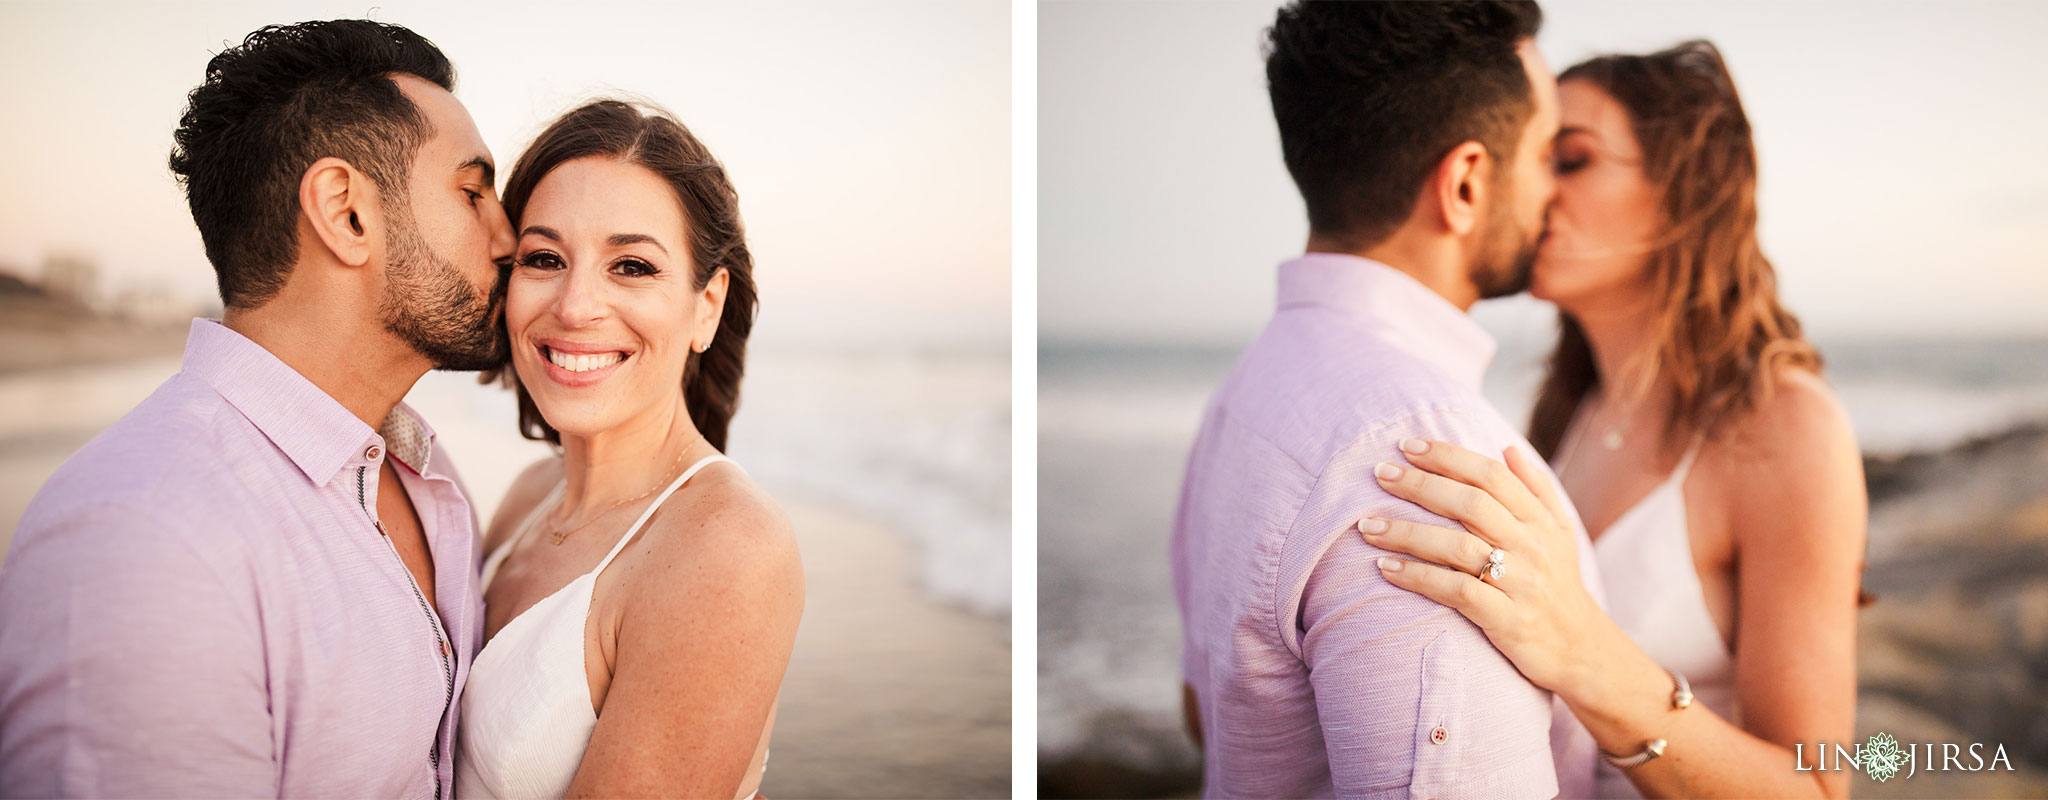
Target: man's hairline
{"type": "Point", "coordinates": [1524, 107]}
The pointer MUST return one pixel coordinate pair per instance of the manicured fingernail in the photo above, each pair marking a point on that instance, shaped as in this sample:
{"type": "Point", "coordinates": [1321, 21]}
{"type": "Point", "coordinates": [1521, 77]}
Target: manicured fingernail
{"type": "Point", "coordinates": [1416, 446]}
{"type": "Point", "coordinates": [1373, 527]}
{"type": "Point", "coordinates": [1388, 471]}
{"type": "Point", "coordinates": [1390, 564]}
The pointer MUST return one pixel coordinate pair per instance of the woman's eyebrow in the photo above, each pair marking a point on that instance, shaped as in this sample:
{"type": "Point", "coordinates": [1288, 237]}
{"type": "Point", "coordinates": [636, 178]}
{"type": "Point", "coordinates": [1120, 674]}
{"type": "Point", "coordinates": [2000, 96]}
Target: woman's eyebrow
{"type": "Point", "coordinates": [622, 239]}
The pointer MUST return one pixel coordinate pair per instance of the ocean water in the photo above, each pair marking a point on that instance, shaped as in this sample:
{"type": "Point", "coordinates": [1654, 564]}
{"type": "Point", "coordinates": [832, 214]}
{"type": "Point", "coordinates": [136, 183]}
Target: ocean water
{"type": "Point", "coordinates": [1115, 424]}
{"type": "Point", "coordinates": [918, 443]}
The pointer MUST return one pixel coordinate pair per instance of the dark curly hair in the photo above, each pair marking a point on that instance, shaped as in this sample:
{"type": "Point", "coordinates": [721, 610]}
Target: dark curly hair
{"type": "Point", "coordinates": [1369, 96]}
{"type": "Point", "coordinates": [718, 241]}
{"type": "Point", "coordinates": [287, 96]}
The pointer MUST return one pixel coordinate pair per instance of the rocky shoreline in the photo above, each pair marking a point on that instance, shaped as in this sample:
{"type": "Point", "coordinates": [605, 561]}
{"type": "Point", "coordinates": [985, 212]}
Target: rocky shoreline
{"type": "Point", "coordinates": [1955, 648]}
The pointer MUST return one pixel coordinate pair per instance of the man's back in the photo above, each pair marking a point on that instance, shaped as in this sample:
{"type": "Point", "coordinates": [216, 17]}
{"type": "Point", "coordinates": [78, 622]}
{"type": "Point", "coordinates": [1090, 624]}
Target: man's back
{"type": "Point", "coordinates": [1317, 677]}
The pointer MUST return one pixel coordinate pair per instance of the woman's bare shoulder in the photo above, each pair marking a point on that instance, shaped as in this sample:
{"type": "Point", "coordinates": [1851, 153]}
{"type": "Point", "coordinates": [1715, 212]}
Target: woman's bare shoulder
{"type": "Point", "coordinates": [1794, 454]}
{"type": "Point", "coordinates": [728, 529]}
{"type": "Point", "coordinates": [527, 490]}
{"type": "Point", "coordinates": [1800, 419]}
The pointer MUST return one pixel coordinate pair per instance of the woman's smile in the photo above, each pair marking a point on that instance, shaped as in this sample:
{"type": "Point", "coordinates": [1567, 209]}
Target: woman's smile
{"type": "Point", "coordinates": [577, 365]}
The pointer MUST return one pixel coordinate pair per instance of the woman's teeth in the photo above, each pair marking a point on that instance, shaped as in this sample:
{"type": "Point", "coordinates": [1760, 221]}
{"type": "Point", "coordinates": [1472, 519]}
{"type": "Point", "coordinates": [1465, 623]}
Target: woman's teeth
{"type": "Point", "coordinates": [578, 362]}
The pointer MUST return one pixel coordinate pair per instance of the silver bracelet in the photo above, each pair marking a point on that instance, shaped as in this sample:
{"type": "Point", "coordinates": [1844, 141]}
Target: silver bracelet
{"type": "Point", "coordinates": [1681, 699]}
{"type": "Point", "coordinates": [1651, 750]}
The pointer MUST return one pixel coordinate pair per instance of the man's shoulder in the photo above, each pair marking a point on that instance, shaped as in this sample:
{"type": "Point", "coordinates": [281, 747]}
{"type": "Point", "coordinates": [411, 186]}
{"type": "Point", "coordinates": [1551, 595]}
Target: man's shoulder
{"type": "Point", "coordinates": [1312, 386]}
{"type": "Point", "coordinates": [183, 435]}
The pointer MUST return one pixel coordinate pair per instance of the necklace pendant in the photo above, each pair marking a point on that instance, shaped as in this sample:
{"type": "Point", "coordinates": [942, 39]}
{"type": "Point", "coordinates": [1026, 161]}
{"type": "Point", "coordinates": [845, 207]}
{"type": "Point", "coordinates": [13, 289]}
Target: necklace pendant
{"type": "Point", "coordinates": [1612, 440]}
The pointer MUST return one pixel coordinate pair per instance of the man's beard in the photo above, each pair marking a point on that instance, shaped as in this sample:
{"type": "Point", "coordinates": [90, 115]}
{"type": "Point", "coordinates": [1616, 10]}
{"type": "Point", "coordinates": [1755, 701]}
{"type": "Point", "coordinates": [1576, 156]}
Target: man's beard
{"type": "Point", "coordinates": [434, 309]}
{"type": "Point", "coordinates": [1509, 258]}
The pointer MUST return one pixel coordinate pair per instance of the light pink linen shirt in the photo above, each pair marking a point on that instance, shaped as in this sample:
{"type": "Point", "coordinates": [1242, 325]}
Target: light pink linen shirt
{"type": "Point", "coordinates": [1316, 677]}
{"type": "Point", "coordinates": [199, 602]}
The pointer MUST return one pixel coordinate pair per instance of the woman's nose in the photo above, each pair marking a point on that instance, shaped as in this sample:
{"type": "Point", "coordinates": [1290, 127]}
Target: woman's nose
{"type": "Point", "coordinates": [581, 300]}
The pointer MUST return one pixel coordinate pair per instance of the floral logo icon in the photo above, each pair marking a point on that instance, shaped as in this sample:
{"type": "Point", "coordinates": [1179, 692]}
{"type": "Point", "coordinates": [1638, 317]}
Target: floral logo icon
{"type": "Point", "coordinates": [1881, 757]}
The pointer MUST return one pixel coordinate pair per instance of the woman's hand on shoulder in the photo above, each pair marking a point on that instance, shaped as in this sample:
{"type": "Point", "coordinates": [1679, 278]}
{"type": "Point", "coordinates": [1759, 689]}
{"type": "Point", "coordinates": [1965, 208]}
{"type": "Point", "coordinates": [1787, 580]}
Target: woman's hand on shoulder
{"type": "Point", "coordinates": [1532, 604]}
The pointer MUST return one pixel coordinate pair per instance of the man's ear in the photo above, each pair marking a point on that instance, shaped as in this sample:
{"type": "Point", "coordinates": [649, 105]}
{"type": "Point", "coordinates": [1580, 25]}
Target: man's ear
{"type": "Point", "coordinates": [1458, 184]}
{"type": "Point", "coordinates": [340, 204]}
{"type": "Point", "coordinates": [710, 308]}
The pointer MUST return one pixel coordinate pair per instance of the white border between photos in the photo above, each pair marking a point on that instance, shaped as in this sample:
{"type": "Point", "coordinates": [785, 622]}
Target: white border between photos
{"type": "Point", "coordinates": [1024, 399]}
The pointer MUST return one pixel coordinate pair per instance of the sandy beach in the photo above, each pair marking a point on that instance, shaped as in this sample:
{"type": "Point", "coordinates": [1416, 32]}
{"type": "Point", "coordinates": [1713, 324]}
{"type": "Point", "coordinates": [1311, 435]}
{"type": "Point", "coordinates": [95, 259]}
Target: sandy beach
{"type": "Point", "coordinates": [890, 693]}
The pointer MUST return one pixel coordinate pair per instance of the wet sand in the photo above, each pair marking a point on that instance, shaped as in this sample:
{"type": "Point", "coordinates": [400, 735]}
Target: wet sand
{"type": "Point", "coordinates": [888, 694]}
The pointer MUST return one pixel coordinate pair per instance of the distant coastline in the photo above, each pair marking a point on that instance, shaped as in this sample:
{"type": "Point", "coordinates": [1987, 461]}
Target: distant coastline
{"type": "Point", "coordinates": [48, 330]}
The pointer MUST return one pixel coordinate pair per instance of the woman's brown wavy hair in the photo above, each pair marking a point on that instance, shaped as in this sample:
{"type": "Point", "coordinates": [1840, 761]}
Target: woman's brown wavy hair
{"type": "Point", "coordinates": [711, 210]}
{"type": "Point", "coordinates": [1719, 332]}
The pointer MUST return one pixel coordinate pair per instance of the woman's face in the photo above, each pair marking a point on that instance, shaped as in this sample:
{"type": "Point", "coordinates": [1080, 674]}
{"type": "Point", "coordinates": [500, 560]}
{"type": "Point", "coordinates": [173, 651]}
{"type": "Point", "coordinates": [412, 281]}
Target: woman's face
{"type": "Point", "coordinates": [601, 308]}
{"type": "Point", "coordinates": [1605, 214]}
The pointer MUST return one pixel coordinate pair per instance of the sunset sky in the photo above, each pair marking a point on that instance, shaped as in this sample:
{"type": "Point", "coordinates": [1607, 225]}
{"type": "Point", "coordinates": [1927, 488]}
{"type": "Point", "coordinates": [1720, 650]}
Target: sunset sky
{"type": "Point", "coordinates": [1903, 191]}
{"type": "Point", "coordinates": [870, 144]}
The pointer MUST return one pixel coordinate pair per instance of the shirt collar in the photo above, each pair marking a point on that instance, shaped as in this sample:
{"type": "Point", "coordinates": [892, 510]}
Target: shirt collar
{"type": "Point", "coordinates": [314, 430]}
{"type": "Point", "coordinates": [1415, 318]}
{"type": "Point", "coordinates": [409, 437]}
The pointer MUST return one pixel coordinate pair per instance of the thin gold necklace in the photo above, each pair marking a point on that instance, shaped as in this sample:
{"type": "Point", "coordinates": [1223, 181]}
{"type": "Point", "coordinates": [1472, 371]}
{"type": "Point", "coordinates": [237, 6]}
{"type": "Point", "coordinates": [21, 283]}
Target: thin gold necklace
{"type": "Point", "coordinates": [557, 533]}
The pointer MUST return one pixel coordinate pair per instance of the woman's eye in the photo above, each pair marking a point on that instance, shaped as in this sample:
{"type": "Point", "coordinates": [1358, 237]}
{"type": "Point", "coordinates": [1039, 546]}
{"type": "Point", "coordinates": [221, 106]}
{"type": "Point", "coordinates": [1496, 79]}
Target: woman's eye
{"type": "Point", "coordinates": [540, 260]}
{"type": "Point", "coordinates": [635, 267]}
{"type": "Point", "coordinates": [1567, 166]}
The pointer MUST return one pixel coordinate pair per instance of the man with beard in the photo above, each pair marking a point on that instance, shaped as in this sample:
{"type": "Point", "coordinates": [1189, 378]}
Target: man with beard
{"type": "Point", "coordinates": [262, 580]}
{"type": "Point", "coordinates": [1418, 135]}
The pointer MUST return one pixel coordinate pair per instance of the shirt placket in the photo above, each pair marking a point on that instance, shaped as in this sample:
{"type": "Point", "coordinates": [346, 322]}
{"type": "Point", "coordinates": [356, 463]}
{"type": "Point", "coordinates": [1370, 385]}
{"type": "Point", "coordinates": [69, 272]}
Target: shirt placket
{"type": "Point", "coordinates": [365, 499]}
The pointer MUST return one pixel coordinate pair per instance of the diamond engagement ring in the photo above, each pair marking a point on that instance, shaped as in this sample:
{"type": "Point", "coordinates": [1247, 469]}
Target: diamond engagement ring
{"type": "Point", "coordinates": [1496, 566]}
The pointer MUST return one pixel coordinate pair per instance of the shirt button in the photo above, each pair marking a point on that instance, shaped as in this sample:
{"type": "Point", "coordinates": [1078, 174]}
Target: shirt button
{"type": "Point", "coordinates": [373, 452]}
{"type": "Point", "coordinates": [1439, 735]}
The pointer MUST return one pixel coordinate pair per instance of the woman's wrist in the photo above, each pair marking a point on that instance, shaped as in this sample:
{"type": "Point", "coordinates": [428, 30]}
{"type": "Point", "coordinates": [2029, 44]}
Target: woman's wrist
{"type": "Point", "coordinates": [1592, 657]}
{"type": "Point", "coordinates": [1617, 691]}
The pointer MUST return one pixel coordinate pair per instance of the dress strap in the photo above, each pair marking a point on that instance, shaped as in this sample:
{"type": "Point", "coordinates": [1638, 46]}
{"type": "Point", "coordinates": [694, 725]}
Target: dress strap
{"type": "Point", "coordinates": [658, 500]}
{"type": "Point", "coordinates": [1568, 442]}
{"type": "Point", "coordinates": [1685, 461]}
